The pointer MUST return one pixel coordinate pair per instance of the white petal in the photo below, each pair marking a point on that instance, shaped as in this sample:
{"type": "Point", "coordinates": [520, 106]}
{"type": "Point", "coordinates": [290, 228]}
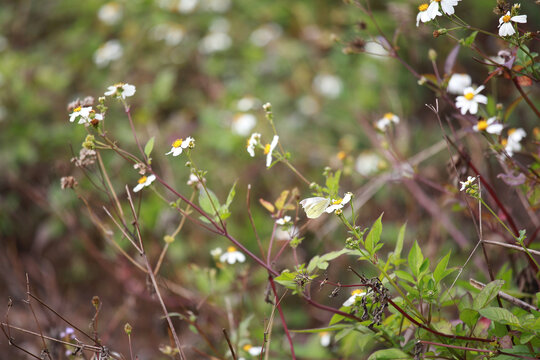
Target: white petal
{"type": "Point", "coordinates": [138, 187]}
{"type": "Point", "coordinates": [495, 129]}
{"type": "Point", "coordinates": [519, 19]}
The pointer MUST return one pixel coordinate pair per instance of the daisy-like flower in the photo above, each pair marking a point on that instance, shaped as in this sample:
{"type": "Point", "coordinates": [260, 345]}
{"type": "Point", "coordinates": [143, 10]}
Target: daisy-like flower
{"type": "Point", "coordinates": [269, 148]}
{"type": "Point", "coordinates": [513, 143]}
{"type": "Point", "coordinates": [216, 253]}
{"type": "Point", "coordinates": [253, 350]}
{"type": "Point", "coordinates": [243, 123]}
{"type": "Point", "coordinates": [505, 26]}
{"type": "Point", "coordinates": [491, 126]}
{"type": "Point", "coordinates": [447, 6]}
{"type": "Point", "coordinates": [467, 184]}
{"type": "Point", "coordinates": [286, 220]}
{"type": "Point", "coordinates": [179, 145]}
{"type": "Point", "coordinates": [458, 83]}
{"type": "Point", "coordinates": [470, 100]}
{"type": "Point", "coordinates": [253, 141]}
{"type": "Point", "coordinates": [354, 295]}
{"type": "Point", "coordinates": [81, 113]}
{"type": "Point", "coordinates": [143, 182]}
{"type": "Point", "coordinates": [368, 163]}
{"type": "Point", "coordinates": [383, 123]}
{"type": "Point", "coordinates": [427, 12]}
{"type": "Point", "coordinates": [339, 203]}
{"type": "Point", "coordinates": [325, 338]}
{"type": "Point", "coordinates": [232, 255]}
{"type": "Point", "coordinates": [120, 90]}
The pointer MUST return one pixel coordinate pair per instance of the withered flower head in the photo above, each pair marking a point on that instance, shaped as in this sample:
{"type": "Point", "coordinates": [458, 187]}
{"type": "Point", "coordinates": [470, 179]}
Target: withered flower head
{"type": "Point", "coordinates": [68, 182]}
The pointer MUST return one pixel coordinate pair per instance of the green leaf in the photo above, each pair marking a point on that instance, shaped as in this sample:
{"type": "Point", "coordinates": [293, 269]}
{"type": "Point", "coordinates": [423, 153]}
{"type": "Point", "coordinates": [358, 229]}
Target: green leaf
{"type": "Point", "coordinates": [389, 354]}
{"type": "Point", "coordinates": [209, 201]}
{"type": "Point", "coordinates": [280, 202]}
{"type": "Point", "coordinates": [321, 262]}
{"type": "Point", "coordinates": [404, 276]}
{"type": "Point", "coordinates": [469, 317]}
{"type": "Point", "coordinates": [374, 236]}
{"type": "Point", "coordinates": [149, 146]}
{"type": "Point", "coordinates": [325, 329]}
{"type": "Point", "coordinates": [440, 272]}
{"type": "Point", "coordinates": [399, 244]}
{"type": "Point", "coordinates": [499, 315]}
{"type": "Point", "coordinates": [287, 279]}
{"type": "Point", "coordinates": [488, 293]}
{"type": "Point", "coordinates": [415, 259]}
{"type": "Point", "coordinates": [468, 41]}
{"type": "Point", "coordinates": [231, 195]}
{"type": "Point", "coordinates": [335, 319]}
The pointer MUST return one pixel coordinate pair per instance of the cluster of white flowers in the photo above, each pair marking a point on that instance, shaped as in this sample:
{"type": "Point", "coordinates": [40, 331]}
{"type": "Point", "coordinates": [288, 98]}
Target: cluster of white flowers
{"type": "Point", "coordinates": [284, 221]}
{"type": "Point", "coordinates": [383, 123]}
{"type": "Point", "coordinates": [315, 206]}
{"type": "Point", "coordinates": [85, 114]}
{"type": "Point", "coordinates": [120, 90]}
{"type": "Point", "coordinates": [255, 139]}
{"type": "Point", "coordinates": [180, 145]}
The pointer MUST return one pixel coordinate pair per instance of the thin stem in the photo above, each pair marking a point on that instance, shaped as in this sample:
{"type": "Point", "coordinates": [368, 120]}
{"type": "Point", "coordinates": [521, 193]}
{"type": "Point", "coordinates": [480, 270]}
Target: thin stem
{"type": "Point", "coordinates": [283, 322]}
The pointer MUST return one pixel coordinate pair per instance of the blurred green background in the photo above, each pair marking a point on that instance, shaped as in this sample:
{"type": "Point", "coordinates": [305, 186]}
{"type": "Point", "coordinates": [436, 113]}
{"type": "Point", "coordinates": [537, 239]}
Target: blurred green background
{"type": "Point", "coordinates": [203, 68]}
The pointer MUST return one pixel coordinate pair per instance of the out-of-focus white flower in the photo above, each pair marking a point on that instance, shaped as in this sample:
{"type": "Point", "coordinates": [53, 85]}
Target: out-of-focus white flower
{"type": "Point", "coordinates": [110, 51]}
{"type": "Point", "coordinates": [427, 12]}
{"type": "Point", "coordinates": [246, 103]}
{"type": "Point", "coordinates": [308, 105]}
{"type": "Point", "coordinates": [81, 113]}
{"type": "Point", "coordinates": [232, 255]}
{"type": "Point", "coordinates": [143, 182]}
{"type": "Point", "coordinates": [325, 338]}
{"type": "Point", "coordinates": [187, 6]}
{"type": "Point", "coordinates": [243, 123]}
{"type": "Point", "coordinates": [219, 6]}
{"type": "Point", "coordinates": [265, 34]}
{"type": "Point", "coordinates": [120, 90]}
{"type": "Point", "coordinates": [490, 126]}
{"type": "Point", "coordinates": [470, 100]}
{"type": "Point", "coordinates": [368, 163]}
{"type": "Point", "coordinates": [286, 220]}
{"type": "Point", "coordinates": [253, 350]}
{"type": "Point", "coordinates": [513, 143]}
{"type": "Point", "coordinates": [505, 26]}
{"type": "Point", "coordinates": [354, 295]}
{"type": "Point", "coordinates": [468, 183]}
{"type": "Point", "coordinates": [383, 123]}
{"type": "Point", "coordinates": [327, 85]}
{"type": "Point", "coordinates": [215, 42]}
{"type": "Point", "coordinates": [269, 149]}
{"type": "Point", "coordinates": [447, 6]}
{"type": "Point", "coordinates": [458, 83]}
{"type": "Point", "coordinates": [68, 333]}
{"type": "Point", "coordinates": [179, 145]}
{"type": "Point", "coordinates": [110, 13]}
{"type": "Point", "coordinates": [216, 253]}
{"type": "Point", "coordinates": [337, 204]}
{"type": "Point", "coordinates": [375, 49]}
{"type": "Point", "coordinates": [172, 34]}
{"type": "Point", "coordinates": [253, 141]}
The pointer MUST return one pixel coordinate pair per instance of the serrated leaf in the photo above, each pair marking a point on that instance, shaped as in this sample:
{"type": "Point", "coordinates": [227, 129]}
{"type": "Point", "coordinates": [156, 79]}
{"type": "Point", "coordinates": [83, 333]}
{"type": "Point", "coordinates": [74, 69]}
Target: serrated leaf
{"type": "Point", "coordinates": [469, 317]}
{"type": "Point", "coordinates": [415, 259]}
{"type": "Point", "coordinates": [287, 279]}
{"type": "Point", "coordinates": [487, 294]}
{"type": "Point", "coordinates": [500, 315]}
{"type": "Point", "coordinates": [149, 146]}
{"type": "Point", "coordinates": [389, 354]}
{"type": "Point", "coordinates": [374, 235]}
{"type": "Point", "coordinates": [439, 273]}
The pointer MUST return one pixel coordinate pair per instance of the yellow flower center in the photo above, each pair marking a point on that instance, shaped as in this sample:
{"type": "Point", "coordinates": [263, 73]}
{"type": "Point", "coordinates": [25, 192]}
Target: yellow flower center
{"type": "Point", "coordinates": [337, 202]}
{"type": "Point", "coordinates": [437, 0]}
{"type": "Point", "coordinates": [142, 180]}
{"type": "Point", "coordinates": [506, 18]}
{"type": "Point", "coordinates": [341, 155]}
{"type": "Point", "coordinates": [231, 249]}
{"type": "Point", "coordinates": [389, 116]}
{"type": "Point", "coordinates": [469, 96]}
{"type": "Point", "coordinates": [511, 131]}
{"type": "Point", "coordinates": [77, 109]}
{"type": "Point", "coordinates": [247, 347]}
{"type": "Point", "coordinates": [504, 142]}
{"type": "Point", "coordinates": [357, 292]}
{"type": "Point", "coordinates": [266, 149]}
{"type": "Point", "coordinates": [482, 125]}
{"type": "Point", "coordinates": [423, 7]}
{"type": "Point", "coordinates": [177, 143]}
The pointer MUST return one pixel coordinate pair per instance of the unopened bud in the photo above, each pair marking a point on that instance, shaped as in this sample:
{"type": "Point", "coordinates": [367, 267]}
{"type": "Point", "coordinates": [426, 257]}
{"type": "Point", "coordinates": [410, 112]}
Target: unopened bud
{"type": "Point", "coordinates": [168, 239]}
{"type": "Point", "coordinates": [432, 54]}
{"type": "Point", "coordinates": [96, 302]}
{"type": "Point", "coordinates": [127, 329]}
{"type": "Point", "coordinates": [267, 107]}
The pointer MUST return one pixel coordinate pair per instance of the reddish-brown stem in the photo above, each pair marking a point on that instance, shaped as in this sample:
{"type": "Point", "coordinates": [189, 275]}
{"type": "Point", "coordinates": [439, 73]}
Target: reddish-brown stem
{"type": "Point", "coordinates": [278, 305]}
{"type": "Point", "coordinates": [525, 97]}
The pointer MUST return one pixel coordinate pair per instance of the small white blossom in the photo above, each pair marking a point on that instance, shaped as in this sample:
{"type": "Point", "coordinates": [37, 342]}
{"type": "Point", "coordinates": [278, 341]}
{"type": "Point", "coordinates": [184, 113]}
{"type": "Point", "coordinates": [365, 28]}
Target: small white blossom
{"type": "Point", "coordinates": [179, 145]}
{"type": "Point", "coordinates": [232, 256]}
{"type": "Point", "coordinates": [246, 103]}
{"type": "Point", "coordinates": [284, 220]}
{"type": "Point", "coordinates": [505, 26]}
{"type": "Point", "coordinates": [329, 86]}
{"type": "Point", "coordinates": [143, 182]}
{"type": "Point", "coordinates": [467, 184]}
{"type": "Point", "coordinates": [265, 34]}
{"type": "Point", "coordinates": [110, 13]}
{"type": "Point", "coordinates": [253, 141]}
{"type": "Point", "coordinates": [368, 163]}
{"type": "Point", "coordinates": [269, 148]}
{"type": "Point", "coordinates": [187, 6]}
{"type": "Point", "coordinates": [110, 51]}
{"type": "Point", "coordinates": [470, 100]}
{"type": "Point", "coordinates": [242, 124]}
{"type": "Point", "coordinates": [383, 123]}
{"type": "Point", "coordinates": [325, 338]}
{"type": "Point", "coordinates": [81, 113]}
{"type": "Point", "coordinates": [513, 143]}
{"type": "Point", "coordinates": [354, 295]}
{"type": "Point", "coordinates": [338, 204]}
{"type": "Point", "coordinates": [427, 12]}
{"type": "Point", "coordinates": [120, 90]}
{"type": "Point", "coordinates": [458, 83]}
{"type": "Point", "coordinates": [447, 6]}
{"type": "Point", "coordinates": [216, 252]}
{"type": "Point", "coordinates": [490, 126]}
{"type": "Point", "coordinates": [253, 350]}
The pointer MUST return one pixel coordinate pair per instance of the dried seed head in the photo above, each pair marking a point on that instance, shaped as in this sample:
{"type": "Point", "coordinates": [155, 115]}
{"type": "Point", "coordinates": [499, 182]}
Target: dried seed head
{"type": "Point", "coordinates": [68, 182]}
